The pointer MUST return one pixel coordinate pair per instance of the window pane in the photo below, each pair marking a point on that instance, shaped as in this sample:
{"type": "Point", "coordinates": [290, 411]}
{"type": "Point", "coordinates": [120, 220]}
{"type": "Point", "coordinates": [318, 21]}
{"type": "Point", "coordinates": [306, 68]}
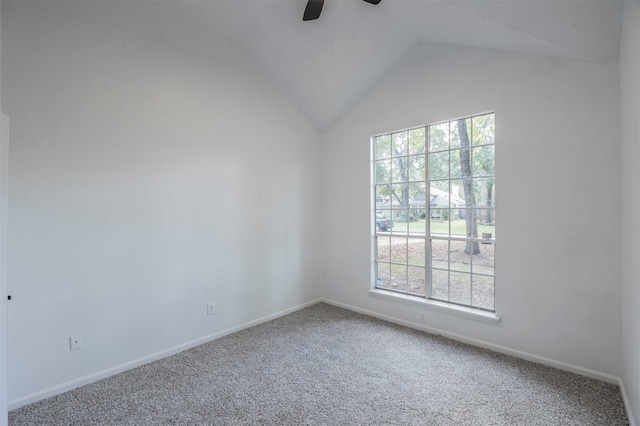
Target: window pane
{"type": "Point", "coordinates": [383, 223]}
{"type": "Point", "coordinates": [484, 129]}
{"type": "Point", "coordinates": [399, 144]}
{"type": "Point", "coordinates": [484, 192]}
{"type": "Point", "coordinates": [440, 284]}
{"type": "Point", "coordinates": [484, 263]}
{"type": "Point", "coordinates": [439, 194]}
{"type": "Point", "coordinates": [398, 250]}
{"type": "Point", "coordinates": [416, 278]}
{"type": "Point", "coordinates": [456, 194]}
{"type": "Point", "coordinates": [458, 222]}
{"type": "Point", "coordinates": [458, 259]}
{"type": "Point", "coordinates": [460, 288]}
{"type": "Point", "coordinates": [416, 252]}
{"type": "Point", "coordinates": [400, 225]}
{"type": "Point", "coordinates": [439, 137]}
{"type": "Point", "coordinates": [406, 220]}
{"type": "Point", "coordinates": [418, 226]}
{"type": "Point", "coordinates": [383, 196]}
{"type": "Point", "coordinates": [440, 254]}
{"type": "Point", "coordinates": [455, 164]}
{"type": "Point", "coordinates": [417, 168]}
{"type": "Point", "coordinates": [417, 194]}
{"type": "Point", "coordinates": [439, 223]}
{"type": "Point", "coordinates": [467, 126]}
{"type": "Point", "coordinates": [400, 196]}
{"type": "Point", "coordinates": [489, 215]}
{"type": "Point", "coordinates": [439, 165]}
{"type": "Point", "coordinates": [399, 277]}
{"type": "Point", "coordinates": [483, 291]}
{"type": "Point", "coordinates": [400, 171]}
{"type": "Point", "coordinates": [383, 249]}
{"type": "Point", "coordinates": [384, 275]}
{"type": "Point", "coordinates": [460, 163]}
{"type": "Point", "coordinates": [484, 160]}
{"type": "Point", "coordinates": [486, 229]}
{"type": "Point", "coordinates": [417, 141]}
{"type": "Point", "coordinates": [383, 171]}
{"type": "Point", "coordinates": [462, 133]}
{"type": "Point", "coordinates": [486, 232]}
{"type": "Point", "coordinates": [383, 147]}
{"type": "Point", "coordinates": [418, 207]}
{"type": "Point", "coordinates": [455, 136]}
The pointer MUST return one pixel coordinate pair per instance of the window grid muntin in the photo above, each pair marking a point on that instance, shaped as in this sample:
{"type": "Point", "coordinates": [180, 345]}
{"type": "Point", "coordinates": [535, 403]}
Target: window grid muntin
{"type": "Point", "coordinates": [408, 180]}
{"type": "Point", "coordinates": [468, 210]}
{"type": "Point", "coordinates": [429, 237]}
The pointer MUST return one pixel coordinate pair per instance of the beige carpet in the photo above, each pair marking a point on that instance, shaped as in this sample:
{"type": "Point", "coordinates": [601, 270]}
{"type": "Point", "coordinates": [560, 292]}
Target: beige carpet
{"type": "Point", "coordinates": [328, 366]}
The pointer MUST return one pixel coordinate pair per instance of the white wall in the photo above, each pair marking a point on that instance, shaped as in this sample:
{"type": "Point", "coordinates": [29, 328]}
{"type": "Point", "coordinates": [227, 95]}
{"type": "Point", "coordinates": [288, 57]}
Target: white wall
{"type": "Point", "coordinates": [630, 114]}
{"type": "Point", "coordinates": [153, 169]}
{"type": "Point", "coordinates": [4, 174]}
{"type": "Point", "coordinates": [4, 187]}
{"type": "Point", "coordinates": [558, 195]}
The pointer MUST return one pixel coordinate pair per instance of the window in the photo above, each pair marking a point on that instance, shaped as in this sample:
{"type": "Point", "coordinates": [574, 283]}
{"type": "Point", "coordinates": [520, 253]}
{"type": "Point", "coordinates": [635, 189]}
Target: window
{"type": "Point", "coordinates": [434, 211]}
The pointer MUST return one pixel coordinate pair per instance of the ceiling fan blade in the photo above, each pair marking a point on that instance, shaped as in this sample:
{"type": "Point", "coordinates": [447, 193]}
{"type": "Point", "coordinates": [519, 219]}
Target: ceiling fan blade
{"type": "Point", "coordinates": [313, 9]}
{"type": "Point", "coordinates": [373, 1]}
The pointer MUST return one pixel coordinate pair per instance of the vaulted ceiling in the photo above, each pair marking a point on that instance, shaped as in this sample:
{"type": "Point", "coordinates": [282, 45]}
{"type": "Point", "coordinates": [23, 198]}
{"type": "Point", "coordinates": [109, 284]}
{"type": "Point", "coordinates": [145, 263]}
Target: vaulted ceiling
{"type": "Point", "coordinates": [325, 66]}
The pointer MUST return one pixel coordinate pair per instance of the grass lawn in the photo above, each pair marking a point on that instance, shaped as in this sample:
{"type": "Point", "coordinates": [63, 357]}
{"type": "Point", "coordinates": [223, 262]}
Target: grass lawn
{"type": "Point", "coordinates": [458, 227]}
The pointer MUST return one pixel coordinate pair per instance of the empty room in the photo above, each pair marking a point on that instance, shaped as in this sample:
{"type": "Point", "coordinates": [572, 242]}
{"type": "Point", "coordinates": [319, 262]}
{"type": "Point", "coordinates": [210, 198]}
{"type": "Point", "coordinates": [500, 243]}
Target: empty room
{"type": "Point", "coordinates": [320, 212]}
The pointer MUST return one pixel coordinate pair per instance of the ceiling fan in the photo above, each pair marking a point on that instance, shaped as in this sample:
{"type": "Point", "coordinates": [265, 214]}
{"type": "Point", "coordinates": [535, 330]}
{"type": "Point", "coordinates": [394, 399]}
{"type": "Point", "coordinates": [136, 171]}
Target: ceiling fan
{"type": "Point", "coordinates": [314, 7]}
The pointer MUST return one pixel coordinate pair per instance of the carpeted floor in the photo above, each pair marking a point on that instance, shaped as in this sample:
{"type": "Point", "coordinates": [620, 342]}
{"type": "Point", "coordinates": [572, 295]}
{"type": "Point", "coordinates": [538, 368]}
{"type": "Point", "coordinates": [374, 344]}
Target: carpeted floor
{"type": "Point", "coordinates": [328, 366]}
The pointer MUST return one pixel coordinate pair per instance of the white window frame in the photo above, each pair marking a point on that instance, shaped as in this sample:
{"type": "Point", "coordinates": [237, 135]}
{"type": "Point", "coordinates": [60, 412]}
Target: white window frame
{"type": "Point", "coordinates": [428, 300]}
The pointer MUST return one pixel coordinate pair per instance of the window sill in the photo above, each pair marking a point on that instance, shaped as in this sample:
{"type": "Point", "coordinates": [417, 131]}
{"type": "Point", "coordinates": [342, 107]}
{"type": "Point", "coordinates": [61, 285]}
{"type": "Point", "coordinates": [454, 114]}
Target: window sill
{"type": "Point", "coordinates": [462, 311]}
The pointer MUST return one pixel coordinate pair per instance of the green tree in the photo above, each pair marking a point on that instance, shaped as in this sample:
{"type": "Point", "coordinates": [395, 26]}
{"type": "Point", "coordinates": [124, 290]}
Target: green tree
{"type": "Point", "coordinates": [399, 169]}
{"type": "Point", "coordinates": [484, 157]}
{"type": "Point", "coordinates": [401, 163]}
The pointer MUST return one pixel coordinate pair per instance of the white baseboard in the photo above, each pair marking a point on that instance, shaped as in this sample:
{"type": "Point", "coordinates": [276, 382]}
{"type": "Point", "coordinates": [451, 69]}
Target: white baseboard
{"type": "Point", "coordinates": [627, 405]}
{"type": "Point", "coordinates": [94, 377]}
{"type": "Point", "coordinates": [482, 344]}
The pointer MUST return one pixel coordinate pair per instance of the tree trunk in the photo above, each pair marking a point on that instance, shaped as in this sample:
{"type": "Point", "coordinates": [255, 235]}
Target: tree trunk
{"type": "Point", "coordinates": [465, 167]}
{"type": "Point", "coordinates": [404, 197]}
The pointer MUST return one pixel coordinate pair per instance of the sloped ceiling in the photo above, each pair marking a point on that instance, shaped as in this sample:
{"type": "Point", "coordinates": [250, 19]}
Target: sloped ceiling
{"type": "Point", "coordinates": [325, 66]}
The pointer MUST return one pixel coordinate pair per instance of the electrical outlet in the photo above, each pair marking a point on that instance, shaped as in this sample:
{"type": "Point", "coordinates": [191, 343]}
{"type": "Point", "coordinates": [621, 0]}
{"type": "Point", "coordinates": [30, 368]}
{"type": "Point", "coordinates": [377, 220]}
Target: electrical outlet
{"type": "Point", "coordinates": [211, 308]}
{"type": "Point", "coordinates": [75, 342]}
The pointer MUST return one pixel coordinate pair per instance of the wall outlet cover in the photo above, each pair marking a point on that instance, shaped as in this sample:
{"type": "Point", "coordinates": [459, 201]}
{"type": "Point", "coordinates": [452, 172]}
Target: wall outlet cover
{"type": "Point", "coordinates": [75, 342]}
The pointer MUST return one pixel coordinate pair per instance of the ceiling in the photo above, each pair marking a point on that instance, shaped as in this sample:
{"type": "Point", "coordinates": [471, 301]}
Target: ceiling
{"type": "Point", "coordinates": [325, 66]}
